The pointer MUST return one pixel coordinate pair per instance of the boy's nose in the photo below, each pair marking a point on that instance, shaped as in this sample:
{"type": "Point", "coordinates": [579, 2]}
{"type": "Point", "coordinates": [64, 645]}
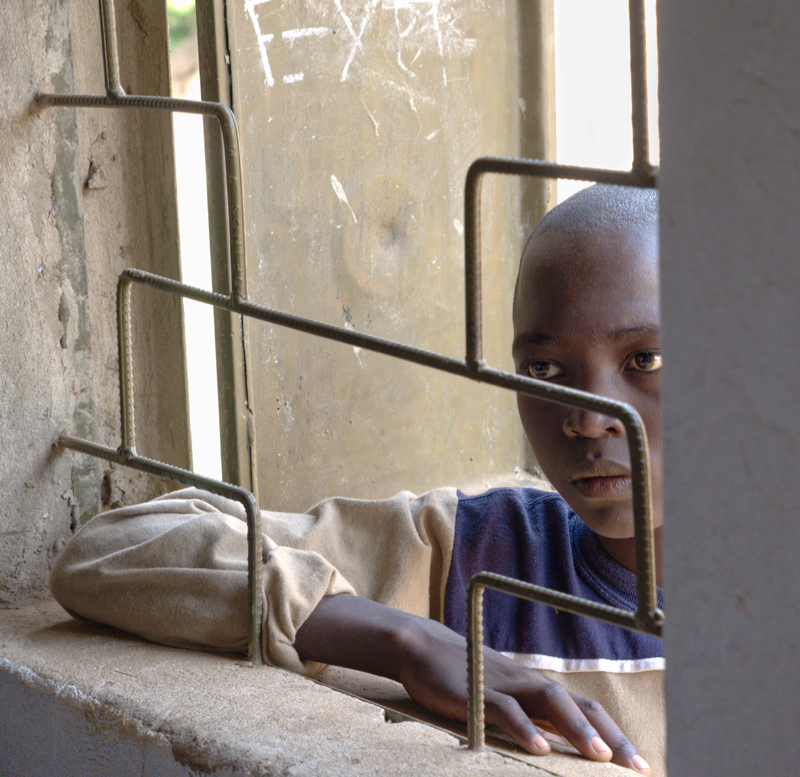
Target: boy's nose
{"type": "Point", "coordinates": [585, 423]}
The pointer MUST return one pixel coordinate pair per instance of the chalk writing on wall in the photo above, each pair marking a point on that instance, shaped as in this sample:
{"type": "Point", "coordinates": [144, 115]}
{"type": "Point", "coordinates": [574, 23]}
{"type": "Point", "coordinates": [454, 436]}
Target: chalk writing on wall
{"type": "Point", "coordinates": [419, 25]}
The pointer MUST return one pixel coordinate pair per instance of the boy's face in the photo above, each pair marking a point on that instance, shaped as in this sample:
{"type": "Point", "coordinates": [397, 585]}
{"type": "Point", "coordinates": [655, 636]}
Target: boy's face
{"type": "Point", "coordinates": [586, 315]}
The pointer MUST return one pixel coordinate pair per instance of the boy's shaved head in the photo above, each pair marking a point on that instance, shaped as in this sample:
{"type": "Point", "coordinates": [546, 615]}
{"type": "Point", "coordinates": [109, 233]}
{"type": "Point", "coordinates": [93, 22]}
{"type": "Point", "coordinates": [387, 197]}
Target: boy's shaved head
{"type": "Point", "coordinates": [601, 206]}
{"type": "Point", "coordinates": [598, 208]}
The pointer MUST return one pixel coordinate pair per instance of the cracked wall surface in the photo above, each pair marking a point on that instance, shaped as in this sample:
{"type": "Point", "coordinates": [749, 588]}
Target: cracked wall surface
{"type": "Point", "coordinates": [86, 193]}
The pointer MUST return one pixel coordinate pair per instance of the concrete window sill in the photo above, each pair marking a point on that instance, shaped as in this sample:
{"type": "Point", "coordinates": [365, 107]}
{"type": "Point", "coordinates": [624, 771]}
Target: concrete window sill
{"type": "Point", "coordinates": [85, 700]}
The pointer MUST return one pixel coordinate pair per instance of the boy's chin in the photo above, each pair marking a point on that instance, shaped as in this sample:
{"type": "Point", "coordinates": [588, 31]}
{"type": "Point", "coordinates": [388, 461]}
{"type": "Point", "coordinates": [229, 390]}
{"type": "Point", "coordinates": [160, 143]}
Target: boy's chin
{"type": "Point", "coordinates": [612, 529]}
{"type": "Point", "coordinates": [611, 520]}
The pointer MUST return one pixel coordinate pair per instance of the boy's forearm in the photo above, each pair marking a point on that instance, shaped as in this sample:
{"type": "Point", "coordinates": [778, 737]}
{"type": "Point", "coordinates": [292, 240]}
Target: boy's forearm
{"type": "Point", "coordinates": [356, 633]}
{"type": "Point", "coordinates": [430, 661]}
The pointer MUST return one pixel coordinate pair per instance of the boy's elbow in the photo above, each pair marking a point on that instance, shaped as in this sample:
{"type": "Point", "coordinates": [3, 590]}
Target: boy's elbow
{"type": "Point", "coordinates": [70, 580]}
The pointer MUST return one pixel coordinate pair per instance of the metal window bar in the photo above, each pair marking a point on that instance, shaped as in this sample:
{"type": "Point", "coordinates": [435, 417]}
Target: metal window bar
{"type": "Point", "coordinates": [647, 618]}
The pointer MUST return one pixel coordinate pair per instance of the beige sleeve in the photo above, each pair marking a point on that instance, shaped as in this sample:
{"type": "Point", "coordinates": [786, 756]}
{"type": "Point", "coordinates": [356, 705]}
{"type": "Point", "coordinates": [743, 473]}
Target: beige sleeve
{"type": "Point", "coordinates": [174, 570]}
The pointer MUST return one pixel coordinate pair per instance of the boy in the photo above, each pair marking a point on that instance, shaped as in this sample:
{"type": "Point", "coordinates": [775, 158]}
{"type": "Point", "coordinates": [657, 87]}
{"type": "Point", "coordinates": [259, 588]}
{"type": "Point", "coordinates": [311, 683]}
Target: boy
{"type": "Point", "coordinates": [585, 315]}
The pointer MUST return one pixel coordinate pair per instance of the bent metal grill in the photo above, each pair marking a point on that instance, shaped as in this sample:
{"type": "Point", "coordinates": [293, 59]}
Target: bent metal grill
{"type": "Point", "coordinates": [647, 617]}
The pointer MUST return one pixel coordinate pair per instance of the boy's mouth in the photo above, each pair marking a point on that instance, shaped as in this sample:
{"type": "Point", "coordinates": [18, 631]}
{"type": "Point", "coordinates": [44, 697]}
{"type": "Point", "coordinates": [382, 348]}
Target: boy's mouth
{"type": "Point", "coordinates": [602, 480]}
{"type": "Point", "coordinates": [603, 486]}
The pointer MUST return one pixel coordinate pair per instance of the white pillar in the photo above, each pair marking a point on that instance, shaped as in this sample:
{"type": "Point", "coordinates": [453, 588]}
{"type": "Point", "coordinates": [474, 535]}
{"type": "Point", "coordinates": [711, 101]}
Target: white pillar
{"type": "Point", "coordinates": [730, 238]}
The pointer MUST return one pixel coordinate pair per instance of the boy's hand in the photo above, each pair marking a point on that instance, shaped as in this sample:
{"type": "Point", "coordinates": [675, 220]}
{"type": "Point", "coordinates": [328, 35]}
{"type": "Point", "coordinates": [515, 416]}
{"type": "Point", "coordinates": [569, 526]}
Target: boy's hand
{"type": "Point", "coordinates": [434, 674]}
{"type": "Point", "coordinates": [430, 661]}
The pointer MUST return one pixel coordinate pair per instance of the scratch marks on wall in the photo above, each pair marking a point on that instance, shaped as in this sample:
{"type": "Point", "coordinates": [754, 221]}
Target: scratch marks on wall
{"type": "Point", "coordinates": [348, 324]}
{"type": "Point", "coordinates": [414, 7]}
{"type": "Point", "coordinates": [419, 26]}
{"type": "Point", "coordinates": [369, 113]}
{"type": "Point", "coordinates": [262, 38]}
{"type": "Point", "coordinates": [369, 10]}
{"type": "Point", "coordinates": [339, 189]}
{"type": "Point", "coordinates": [290, 37]}
{"type": "Point", "coordinates": [139, 14]}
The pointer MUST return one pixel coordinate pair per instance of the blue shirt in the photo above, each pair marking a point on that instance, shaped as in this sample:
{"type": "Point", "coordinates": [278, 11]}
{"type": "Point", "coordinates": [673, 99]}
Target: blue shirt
{"type": "Point", "coordinates": [534, 536]}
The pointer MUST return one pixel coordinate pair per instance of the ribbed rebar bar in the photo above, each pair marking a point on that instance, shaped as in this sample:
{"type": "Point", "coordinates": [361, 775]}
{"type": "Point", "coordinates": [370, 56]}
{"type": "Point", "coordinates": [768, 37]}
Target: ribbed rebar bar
{"type": "Point", "coordinates": [638, 44]}
{"type": "Point", "coordinates": [635, 432]}
{"type": "Point", "coordinates": [129, 437]}
{"type": "Point", "coordinates": [115, 97]}
{"type": "Point", "coordinates": [127, 458]}
{"type": "Point", "coordinates": [647, 613]}
{"type": "Point", "coordinates": [476, 729]}
{"type": "Point", "coordinates": [472, 221]}
{"type": "Point", "coordinates": [301, 324]}
{"type": "Point", "coordinates": [647, 617]}
{"type": "Point", "coordinates": [637, 440]}
{"type": "Point", "coordinates": [564, 602]}
{"type": "Point", "coordinates": [108, 26]}
{"type": "Point", "coordinates": [125, 355]}
{"type": "Point", "coordinates": [230, 137]}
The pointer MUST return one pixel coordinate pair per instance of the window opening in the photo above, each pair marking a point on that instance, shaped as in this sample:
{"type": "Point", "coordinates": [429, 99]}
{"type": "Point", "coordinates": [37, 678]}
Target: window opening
{"type": "Point", "coordinates": [647, 618]}
{"type": "Point", "coordinates": [593, 97]}
{"type": "Point", "coordinates": [195, 249]}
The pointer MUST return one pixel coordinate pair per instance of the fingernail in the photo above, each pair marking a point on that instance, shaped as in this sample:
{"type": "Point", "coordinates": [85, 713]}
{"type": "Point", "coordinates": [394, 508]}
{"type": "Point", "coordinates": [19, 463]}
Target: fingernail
{"type": "Point", "coordinates": [640, 764]}
{"type": "Point", "coordinates": [540, 743]}
{"type": "Point", "coordinates": [600, 747]}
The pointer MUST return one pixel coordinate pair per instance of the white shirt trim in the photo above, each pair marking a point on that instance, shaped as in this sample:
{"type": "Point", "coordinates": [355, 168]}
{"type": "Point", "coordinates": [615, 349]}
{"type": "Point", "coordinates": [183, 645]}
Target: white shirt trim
{"type": "Point", "coordinates": [533, 661]}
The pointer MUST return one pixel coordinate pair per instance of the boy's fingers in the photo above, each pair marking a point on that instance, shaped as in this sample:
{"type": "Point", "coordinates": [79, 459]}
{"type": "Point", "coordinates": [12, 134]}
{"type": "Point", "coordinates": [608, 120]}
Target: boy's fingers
{"type": "Point", "coordinates": [582, 722]}
{"type": "Point", "coordinates": [624, 752]}
{"type": "Point", "coordinates": [572, 724]}
{"type": "Point", "coordinates": [505, 713]}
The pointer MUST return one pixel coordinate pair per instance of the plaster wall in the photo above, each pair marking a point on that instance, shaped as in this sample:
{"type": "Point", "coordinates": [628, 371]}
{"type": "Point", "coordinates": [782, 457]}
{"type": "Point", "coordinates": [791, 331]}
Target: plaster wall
{"type": "Point", "coordinates": [730, 206]}
{"type": "Point", "coordinates": [358, 125]}
{"type": "Point", "coordinates": [85, 194]}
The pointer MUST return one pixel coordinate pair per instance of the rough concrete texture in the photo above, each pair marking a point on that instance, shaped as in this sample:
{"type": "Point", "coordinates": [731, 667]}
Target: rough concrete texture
{"type": "Point", "coordinates": [358, 123]}
{"type": "Point", "coordinates": [730, 209]}
{"type": "Point", "coordinates": [86, 700]}
{"type": "Point", "coordinates": [85, 193]}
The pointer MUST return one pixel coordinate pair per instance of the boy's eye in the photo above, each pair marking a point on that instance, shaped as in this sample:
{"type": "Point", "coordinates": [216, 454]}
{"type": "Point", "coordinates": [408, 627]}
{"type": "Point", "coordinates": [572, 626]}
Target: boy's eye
{"type": "Point", "coordinates": [543, 370]}
{"type": "Point", "coordinates": [645, 361]}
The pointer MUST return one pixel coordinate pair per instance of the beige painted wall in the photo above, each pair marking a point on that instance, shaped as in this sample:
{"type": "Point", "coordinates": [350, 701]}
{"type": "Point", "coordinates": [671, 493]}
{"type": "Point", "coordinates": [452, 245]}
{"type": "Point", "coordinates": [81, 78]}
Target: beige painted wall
{"type": "Point", "coordinates": [730, 209]}
{"type": "Point", "coordinates": [85, 194]}
{"type": "Point", "coordinates": [358, 124]}
{"type": "Point", "coordinates": [88, 192]}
